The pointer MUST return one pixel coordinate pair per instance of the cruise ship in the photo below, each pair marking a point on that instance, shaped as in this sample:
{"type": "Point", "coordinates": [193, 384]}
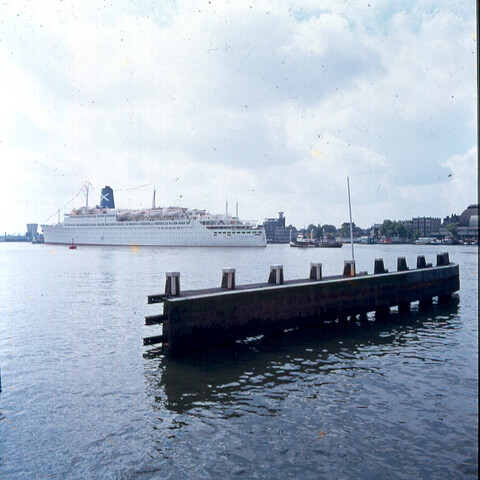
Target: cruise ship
{"type": "Point", "coordinates": [157, 227]}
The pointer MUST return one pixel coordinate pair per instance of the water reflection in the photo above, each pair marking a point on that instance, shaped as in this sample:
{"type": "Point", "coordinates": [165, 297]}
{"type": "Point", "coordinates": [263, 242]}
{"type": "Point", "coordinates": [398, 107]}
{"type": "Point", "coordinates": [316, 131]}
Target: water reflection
{"type": "Point", "coordinates": [229, 373]}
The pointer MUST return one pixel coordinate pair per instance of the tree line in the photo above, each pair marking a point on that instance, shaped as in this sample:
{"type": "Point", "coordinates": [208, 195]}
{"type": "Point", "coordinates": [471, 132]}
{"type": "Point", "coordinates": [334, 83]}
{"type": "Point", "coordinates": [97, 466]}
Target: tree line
{"type": "Point", "coordinates": [389, 229]}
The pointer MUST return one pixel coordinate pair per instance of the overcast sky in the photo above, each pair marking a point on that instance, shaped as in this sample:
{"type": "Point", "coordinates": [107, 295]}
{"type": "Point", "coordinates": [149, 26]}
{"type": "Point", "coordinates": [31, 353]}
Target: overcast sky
{"type": "Point", "coordinates": [271, 102]}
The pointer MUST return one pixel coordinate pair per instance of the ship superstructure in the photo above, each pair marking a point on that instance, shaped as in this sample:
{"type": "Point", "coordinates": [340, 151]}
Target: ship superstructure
{"type": "Point", "coordinates": [164, 226]}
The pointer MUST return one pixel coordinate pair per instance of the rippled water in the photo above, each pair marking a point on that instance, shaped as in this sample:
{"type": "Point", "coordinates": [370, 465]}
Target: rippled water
{"type": "Point", "coordinates": [82, 398]}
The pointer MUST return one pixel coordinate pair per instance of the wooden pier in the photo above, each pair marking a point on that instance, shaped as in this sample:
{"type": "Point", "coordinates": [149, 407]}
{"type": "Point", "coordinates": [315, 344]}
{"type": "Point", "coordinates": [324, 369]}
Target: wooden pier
{"type": "Point", "coordinates": [198, 319]}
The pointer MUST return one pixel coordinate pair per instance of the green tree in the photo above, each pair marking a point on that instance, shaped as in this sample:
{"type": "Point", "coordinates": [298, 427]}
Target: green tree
{"type": "Point", "coordinates": [400, 230]}
{"type": "Point", "coordinates": [386, 228]}
{"type": "Point", "coordinates": [329, 229]}
{"type": "Point", "coordinates": [452, 229]}
{"type": "Point", "coordinates": [345, 229]}
{"type": "Point", "coordinates": [357, 231]}
{"type": "Point", "coordinates": [393, 229]}
{"type": "Point", "coordinates": [319, 231]}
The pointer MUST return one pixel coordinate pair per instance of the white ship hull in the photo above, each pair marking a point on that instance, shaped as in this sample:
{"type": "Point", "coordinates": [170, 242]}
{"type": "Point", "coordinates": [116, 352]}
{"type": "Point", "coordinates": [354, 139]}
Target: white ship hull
{"type": "Point", "coordinates": [108, 231]}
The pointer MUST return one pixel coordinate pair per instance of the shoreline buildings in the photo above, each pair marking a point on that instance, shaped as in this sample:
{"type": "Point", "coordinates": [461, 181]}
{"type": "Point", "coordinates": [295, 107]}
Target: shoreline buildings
{"type": "Point", "coordinates": [276, 231]}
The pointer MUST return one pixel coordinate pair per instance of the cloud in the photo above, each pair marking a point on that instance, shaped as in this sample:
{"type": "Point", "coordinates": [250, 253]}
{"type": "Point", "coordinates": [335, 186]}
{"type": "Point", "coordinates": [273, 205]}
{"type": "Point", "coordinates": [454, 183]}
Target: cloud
{"type": "Point", "coordinates": [273, 101]}
{"type": "Point", "coordinates": [461, 189]}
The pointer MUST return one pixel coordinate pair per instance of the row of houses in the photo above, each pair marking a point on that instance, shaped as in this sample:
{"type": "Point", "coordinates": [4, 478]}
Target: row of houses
{"type": "Point", "coordinates": [465, 227]}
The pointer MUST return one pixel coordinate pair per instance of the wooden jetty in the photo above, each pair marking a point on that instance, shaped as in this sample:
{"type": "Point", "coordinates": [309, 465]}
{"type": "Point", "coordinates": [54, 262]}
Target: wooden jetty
{"type": "Point", "coordinates": [198, 319]}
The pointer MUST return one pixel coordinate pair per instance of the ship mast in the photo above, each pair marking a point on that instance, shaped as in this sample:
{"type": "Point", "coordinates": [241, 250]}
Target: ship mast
{"type": "Point", "coordinates": [87, 189]}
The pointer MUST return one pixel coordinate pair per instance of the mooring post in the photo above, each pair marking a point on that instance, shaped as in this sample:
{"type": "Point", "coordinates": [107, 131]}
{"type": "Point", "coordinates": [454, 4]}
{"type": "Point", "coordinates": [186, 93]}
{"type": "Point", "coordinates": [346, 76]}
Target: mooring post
{"type": "Point", "coordinates": [401, 264]}
{"type": "Point", "coordinates": [403, 307]}
{"type": "Point", "coordinates": [276, 275]}
{"type": "Point", "coordinates": [442, 259]}
{"type": "Point", "coordinates": [421, 262]}
{"type": "Point", "coordinates": [228, 278]}
{"type": "Point", "coordinates": [349, 268]}
{"type": "Point", "coordinates": [315, 271]}
{"type": "Point", "coordinates": [172, 284]}
{"type": "Point", "coordinates": [378, 266]}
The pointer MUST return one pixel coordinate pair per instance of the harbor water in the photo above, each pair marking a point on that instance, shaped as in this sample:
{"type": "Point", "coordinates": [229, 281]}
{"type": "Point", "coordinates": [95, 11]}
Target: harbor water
{"type": "Point", "coordinates": [82, 397]}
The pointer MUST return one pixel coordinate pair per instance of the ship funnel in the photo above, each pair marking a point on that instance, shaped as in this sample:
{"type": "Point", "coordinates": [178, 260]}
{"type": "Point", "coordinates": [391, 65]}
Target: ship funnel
{"type": "Point", "coordinates": [106, 198]}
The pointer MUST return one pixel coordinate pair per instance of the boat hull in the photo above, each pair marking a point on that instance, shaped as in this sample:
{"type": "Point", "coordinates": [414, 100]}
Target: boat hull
{"type": "Point", "coordinates": [149, 234]}
{"type": "Point", "coordinates": [331, 245]}
{"type": "Point", "coordinates": [304, 244]}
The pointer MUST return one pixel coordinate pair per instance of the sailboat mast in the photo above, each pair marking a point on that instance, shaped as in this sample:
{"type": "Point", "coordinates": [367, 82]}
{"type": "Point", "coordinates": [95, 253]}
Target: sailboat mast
{"type": "Point", "coordinates": [351, 225]}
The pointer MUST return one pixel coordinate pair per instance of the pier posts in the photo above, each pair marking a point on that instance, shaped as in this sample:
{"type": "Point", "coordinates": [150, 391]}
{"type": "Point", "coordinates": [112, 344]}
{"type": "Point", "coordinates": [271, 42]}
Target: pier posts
{"type": "Point", "coordinates": [349, 268]}
{"type": "Point", "coordinates": [421, 262]}
{"type": "Point", "coordinates": [403, 307]}
{"type": "Point", "coordinates": [379, 267]}
{"type": "Point", "coordinates": [228, 278]}
{"type": "Point", "coordinates": [315, 271]}
{"type": "Point", "coordinates": [442, 259]}
{"type": "Point", "coordinates": [276, 275]}
{"type": "Point", "coordinates": [401, 264]}
{"type": "Point", "coordinates": [172, 284]}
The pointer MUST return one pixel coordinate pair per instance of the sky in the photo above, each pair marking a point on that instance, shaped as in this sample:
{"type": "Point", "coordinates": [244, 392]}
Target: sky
{"type": "Point", "coordinates": [271, 103]}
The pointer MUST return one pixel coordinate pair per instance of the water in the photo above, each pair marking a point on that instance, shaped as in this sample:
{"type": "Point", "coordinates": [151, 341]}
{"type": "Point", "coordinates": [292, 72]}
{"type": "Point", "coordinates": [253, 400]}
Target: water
{"type": "Point", "coordinates": [82, 398]}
